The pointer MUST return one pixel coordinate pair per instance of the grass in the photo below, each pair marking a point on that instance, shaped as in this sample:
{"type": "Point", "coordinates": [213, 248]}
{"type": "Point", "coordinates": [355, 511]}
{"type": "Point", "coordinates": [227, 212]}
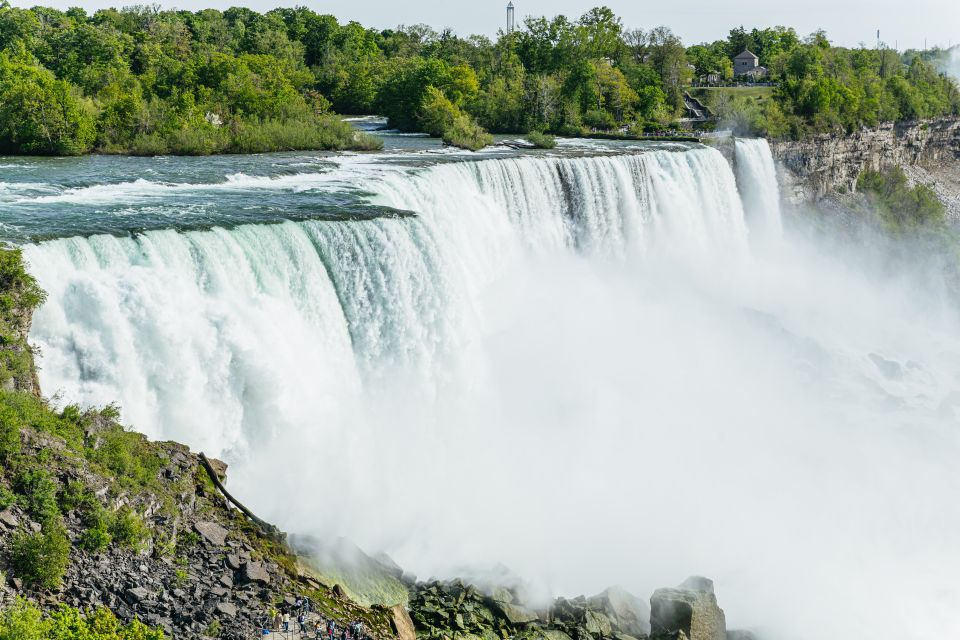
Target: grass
{"type": "Point", "coordinates": [715, 98]}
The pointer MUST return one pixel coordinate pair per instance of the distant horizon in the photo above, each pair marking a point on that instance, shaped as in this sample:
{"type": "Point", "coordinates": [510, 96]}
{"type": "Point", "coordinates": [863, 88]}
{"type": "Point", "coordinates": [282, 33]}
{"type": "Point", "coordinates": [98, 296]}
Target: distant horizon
{"type": "Point", "coordinates": [923, 24]}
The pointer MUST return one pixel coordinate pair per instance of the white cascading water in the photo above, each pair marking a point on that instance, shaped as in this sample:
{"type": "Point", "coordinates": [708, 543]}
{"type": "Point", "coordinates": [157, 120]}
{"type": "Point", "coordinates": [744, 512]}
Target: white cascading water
{"type": "Point", "coordinates": [573, 366]}
{"type": "Point", "coordinates": [757, 174]}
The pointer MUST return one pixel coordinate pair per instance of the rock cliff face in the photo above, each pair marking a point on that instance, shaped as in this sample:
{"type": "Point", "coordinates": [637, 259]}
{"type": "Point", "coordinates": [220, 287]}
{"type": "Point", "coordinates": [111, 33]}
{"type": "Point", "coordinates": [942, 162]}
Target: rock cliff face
{"type": "Point", "coordinates": [826, 163]}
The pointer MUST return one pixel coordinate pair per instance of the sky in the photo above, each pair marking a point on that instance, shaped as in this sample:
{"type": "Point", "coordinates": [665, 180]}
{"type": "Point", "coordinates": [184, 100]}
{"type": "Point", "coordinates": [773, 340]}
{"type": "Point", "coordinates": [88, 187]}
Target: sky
{"type": "Point", "coordinates": [847, 22]}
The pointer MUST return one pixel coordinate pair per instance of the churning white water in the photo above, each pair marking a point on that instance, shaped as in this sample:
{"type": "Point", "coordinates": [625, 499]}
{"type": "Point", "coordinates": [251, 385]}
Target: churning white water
{"type": "Point", "coordinates": [577, 367]}
{"type": "Point", "coordinates": [757, 174]}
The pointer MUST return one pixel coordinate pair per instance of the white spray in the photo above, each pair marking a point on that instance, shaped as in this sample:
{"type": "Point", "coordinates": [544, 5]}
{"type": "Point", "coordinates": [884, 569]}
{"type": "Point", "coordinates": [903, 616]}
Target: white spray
{"type": "Point", "coordinates": [570, 366]}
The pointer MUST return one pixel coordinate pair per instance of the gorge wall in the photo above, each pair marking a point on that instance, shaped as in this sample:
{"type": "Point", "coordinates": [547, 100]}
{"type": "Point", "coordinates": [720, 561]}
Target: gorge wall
{"type": "Point", "coordinates": [821, 164]}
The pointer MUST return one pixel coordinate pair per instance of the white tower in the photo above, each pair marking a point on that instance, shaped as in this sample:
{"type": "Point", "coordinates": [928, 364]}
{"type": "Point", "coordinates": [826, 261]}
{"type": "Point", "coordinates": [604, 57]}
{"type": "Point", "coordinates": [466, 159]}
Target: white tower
{"type": "Point", "coordinates": [510, 19]}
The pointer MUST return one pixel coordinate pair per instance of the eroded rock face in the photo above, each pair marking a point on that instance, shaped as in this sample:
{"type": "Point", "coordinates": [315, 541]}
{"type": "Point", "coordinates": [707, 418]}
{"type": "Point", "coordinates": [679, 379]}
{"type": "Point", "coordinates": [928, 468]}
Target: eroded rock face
{"type": "Point", "coordinates": [824, 163]}
{"type": "Point", "coordinates": [690, 609]}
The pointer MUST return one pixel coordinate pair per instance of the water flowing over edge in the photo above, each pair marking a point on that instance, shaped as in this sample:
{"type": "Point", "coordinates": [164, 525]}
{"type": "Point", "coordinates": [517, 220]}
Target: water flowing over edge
{"type": "Point", "coordinates": [540, 326]}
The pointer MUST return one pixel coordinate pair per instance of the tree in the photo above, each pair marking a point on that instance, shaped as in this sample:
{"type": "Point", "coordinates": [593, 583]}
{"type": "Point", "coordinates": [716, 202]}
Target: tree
{"type": "Point", "coordinates": [40, 114]}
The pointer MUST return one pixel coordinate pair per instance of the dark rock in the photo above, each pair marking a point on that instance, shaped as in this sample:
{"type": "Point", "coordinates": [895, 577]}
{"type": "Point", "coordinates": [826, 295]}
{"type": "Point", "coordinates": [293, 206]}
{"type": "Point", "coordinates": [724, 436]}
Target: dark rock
{"type": "Point", "coordinates": [256, 572]}
{"type": "Point", "coordinates": [137, 594]}
{"type": "Point", "coordinates": [233, 562]}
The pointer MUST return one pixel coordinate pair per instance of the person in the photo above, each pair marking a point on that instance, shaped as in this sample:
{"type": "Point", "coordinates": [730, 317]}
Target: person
{"type": "Point", "coordinates": [277, 621]}
{"type": "Point", "coordinates": [302, 620]}
{"type": "Point", "coordinates": [286, 622]}
{"type": "Point", "coordinates": [318, 630]}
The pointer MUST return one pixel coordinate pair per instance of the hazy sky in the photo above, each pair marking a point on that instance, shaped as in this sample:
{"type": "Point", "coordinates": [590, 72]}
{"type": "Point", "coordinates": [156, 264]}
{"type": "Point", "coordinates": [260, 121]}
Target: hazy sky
{"type": "Point", "coordinates": [847, 21]}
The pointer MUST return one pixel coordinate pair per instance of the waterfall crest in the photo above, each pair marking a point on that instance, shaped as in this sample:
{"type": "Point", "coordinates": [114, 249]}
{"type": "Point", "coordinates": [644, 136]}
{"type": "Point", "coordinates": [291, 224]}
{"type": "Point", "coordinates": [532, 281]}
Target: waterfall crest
{"type": "Point", "coordinates": [582, 368]}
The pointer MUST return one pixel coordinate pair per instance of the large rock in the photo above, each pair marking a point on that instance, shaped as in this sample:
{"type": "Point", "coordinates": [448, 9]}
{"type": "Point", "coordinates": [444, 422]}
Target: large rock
{"type": "Point", "coordinates": [256, 572]}
{"type": "Point", "coordinates": [515, 614]}
{"type": "Point", "coordinates": [691, 609]}
{"type": "Point", "coordinates": [212, 533]}
{"type": "Point", "coordinates": [628, 613]}
{"type": "Point", "coordinates": [402, 624]}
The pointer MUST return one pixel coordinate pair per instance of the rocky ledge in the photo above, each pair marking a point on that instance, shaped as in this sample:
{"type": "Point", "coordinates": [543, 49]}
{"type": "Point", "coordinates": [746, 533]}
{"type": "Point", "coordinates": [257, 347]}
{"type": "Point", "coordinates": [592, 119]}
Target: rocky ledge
{"type": "Point", "coordinates": [818, 165]}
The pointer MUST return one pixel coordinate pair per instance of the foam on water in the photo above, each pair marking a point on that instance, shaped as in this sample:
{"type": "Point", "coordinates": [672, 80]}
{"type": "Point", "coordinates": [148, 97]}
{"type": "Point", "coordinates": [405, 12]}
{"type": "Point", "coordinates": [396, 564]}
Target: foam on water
{"type": "Point", "coordinates": [579, 367]}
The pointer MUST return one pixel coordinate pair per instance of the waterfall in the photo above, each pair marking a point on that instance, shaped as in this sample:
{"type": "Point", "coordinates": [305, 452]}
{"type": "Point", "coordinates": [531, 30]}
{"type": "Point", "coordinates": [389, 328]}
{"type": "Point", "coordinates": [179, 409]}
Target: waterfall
{"type": "Point", "coordinates": [580, 367]}
{"type": "Point", "coordinates": [757, 177]}
{"type": "Point", "coordinates": [213, 326]}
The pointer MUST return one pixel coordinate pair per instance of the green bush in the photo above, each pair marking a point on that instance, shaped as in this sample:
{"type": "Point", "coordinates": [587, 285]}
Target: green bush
{"type": "Point", "coordinates": [541, 140]}
{"type": "Point", "coordinates": [600, 120]}
{"type": "Point", "coordinates": [465, 133]}
{"type": "Point", "coordinates": [128, 529]}
{"type": "Point", "coordinates": [7, 497]}
{"type": "Point", "coordinates": [902, 208]}
{"type": "Point", "coordinates": [37, 494]}
{"type": "Point", "coordinates": [24, 621]}
{"type": "Point", "coordinates": [40, 559]}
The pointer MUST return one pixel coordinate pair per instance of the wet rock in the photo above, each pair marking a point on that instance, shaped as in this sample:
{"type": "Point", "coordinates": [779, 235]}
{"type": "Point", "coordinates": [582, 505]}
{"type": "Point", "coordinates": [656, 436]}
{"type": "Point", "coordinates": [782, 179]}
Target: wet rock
{"type": "Point", "coordinates": [690, 609]}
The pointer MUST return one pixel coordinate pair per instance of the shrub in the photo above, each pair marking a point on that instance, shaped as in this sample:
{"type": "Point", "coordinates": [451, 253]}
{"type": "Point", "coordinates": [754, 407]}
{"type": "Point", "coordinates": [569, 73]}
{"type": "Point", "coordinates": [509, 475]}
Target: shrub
{"type": "Point", "coordinates": [40, 559]}
{"type": "Point", "coordinates": [903, 209]}
{"type": "Point", "coordinates": [541, 140]}
{"type": "Point", "coordinates": [437, 113]}
{"type": "Point", "coordinates": [599, 119]}
{"type": "Point", "coordinates": [37, 494]}
{"type": "Point", "coordinates": [128, 529]}
{"type": "Point", "coordinates": [467, 134]}
{"type": "Point", "coordinates": [24, 621]}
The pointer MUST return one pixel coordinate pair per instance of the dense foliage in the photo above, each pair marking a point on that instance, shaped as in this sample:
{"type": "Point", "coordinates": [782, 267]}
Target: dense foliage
{"type": "Point", "coordinates": [904, 209]}
{"type": "Point", "coordinates": [148, 81]}
{"type": "Point", "coordinates": [823, 88]}
{"type": "Point", "coordinates": [24, 621]}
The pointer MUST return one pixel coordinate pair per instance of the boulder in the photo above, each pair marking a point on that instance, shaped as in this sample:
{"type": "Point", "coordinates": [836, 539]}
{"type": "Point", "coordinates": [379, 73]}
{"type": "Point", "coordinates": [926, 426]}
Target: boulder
{"type": "Point", "coordinates": [515, 614]}
{"type": "Point", "coordinates": [255, 572]}
{"type": "Point", "coordinates": [690, 609]}
{"type": "Point", "coordinates": [211, 532]}
{"type": "Point", "coordinates": [597, 624]}
{"type": "Point", "coordinates": [402, 624]}
{"type": "Point", "coordinates": [137, 594]}
{"type": "Point", "coordinates": [227, 609]}
{"type": "Point", "coordinates": [9, 519]}
{"type": "Point", "coordinates": [628, 613]}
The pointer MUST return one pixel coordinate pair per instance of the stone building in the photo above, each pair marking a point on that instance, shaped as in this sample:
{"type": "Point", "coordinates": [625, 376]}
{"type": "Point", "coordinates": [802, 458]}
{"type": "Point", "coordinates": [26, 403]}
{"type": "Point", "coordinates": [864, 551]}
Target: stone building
{"type": "Point", "coordinates": [747, 64]}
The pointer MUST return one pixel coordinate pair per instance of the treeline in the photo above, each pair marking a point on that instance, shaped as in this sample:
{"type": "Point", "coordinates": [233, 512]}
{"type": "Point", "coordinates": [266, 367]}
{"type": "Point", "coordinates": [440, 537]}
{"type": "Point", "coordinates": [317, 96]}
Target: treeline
{"type": "Point", "coordinates": [148, 81]}
{"type": "Point", "coordinates": [145, 81]}
{"type": "Point", "coordinates": [823, 88]}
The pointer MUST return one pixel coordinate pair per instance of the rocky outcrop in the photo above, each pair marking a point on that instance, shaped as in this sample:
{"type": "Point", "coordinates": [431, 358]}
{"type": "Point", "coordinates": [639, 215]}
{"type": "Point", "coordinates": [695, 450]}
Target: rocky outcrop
{"type": "Point", "coordinates": [442, 609]}
{"type": "Point", "coordinates": [690, 609]}
{"type": "Point", "coordinates": [820, 164]}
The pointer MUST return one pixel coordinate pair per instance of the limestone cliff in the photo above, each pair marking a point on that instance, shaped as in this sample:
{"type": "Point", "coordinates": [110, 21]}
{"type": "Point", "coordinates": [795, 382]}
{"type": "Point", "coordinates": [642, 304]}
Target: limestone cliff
{"type": "Point", "coordinates": [823, 164]}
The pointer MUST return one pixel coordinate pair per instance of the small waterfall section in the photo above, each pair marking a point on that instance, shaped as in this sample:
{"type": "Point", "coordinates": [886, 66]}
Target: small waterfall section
{"type": "Point", "coordinates": [757, 177]}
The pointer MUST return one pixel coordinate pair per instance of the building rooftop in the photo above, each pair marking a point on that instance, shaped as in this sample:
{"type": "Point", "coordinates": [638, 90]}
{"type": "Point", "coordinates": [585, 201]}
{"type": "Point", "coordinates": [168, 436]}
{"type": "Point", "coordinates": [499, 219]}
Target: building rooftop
{"type": "Point", "coordinates": [747, 54]}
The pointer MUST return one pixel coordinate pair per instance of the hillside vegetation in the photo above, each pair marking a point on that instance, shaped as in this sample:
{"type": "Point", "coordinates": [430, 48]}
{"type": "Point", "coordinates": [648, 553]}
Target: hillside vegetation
{"type": "Point", "coordinates": [141, 80]}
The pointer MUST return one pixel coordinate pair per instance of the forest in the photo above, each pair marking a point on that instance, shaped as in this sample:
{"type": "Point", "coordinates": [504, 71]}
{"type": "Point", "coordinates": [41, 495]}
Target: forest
{"type": "Point", "coordinates": [146, 81]}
